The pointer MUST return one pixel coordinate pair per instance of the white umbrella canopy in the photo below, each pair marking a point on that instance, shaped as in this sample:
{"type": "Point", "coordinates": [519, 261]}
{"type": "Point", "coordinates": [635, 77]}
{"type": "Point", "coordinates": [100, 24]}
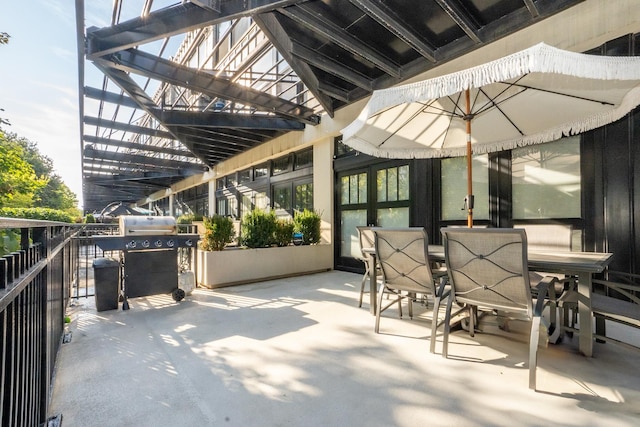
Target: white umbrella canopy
{"type": "Point", "coordinates": [537, 95]}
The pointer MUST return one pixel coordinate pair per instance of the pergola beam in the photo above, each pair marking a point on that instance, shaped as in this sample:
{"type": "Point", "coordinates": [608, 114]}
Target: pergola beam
{"type": "Point", "coordinates": [137, 146]}
{"type": "Point", "coordinates": [171, 21]}
{"type": "Point", "coordinates": [157, 68]}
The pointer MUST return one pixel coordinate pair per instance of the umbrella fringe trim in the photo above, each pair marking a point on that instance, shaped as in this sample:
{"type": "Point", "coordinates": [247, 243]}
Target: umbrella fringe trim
{"type": "Point", "coordinates": [539, 58]}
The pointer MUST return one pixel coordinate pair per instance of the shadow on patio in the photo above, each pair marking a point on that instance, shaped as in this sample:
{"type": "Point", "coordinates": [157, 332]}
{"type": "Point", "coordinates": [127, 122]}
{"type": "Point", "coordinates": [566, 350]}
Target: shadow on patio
{"type": "Point", "coordinates": [299, 352]}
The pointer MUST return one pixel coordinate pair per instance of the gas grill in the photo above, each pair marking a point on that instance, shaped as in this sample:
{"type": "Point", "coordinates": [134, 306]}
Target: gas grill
{"type": "Point", "coordinates": [149, 248]}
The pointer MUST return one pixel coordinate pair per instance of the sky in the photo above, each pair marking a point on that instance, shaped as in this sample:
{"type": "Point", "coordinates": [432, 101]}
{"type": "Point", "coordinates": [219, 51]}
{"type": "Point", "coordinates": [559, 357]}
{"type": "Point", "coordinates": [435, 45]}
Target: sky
{"type": "Point", "coordinates": [39, 78]}
{"type": "Point", "coordinates": [39, 75]}
{"type": "Point", "coordinates": [39, 81]}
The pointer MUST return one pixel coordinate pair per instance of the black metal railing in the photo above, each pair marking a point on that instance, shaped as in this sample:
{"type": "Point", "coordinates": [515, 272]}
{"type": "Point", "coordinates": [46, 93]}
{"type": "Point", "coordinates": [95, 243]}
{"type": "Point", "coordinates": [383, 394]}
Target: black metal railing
{"type": "Point", "coordinates": [86, 251]}
{"type": "Point", "coordinates": [35, 283]}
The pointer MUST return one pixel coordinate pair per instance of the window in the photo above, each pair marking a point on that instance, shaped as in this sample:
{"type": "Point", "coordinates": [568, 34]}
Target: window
{"type": "Point", "coordinates": [546, 180]}
{"type": "Point", "coordinates": [303, 159]}
{"type": "Point", "coordinates": [281, 165]}
{"type": "Point", "coordinates": [354, 189]}
{"type": "Point", "coordinates": [303, 197]}
{"type": "Point", "coordinates": [244, 176]}
{"type": "Point", "coordinates": [393, 184]}
{"type": "Point", "coordinates": [392, 194]}
{"type": "Point", "coordinates": [282, 197]}
{"type": "Point", "coordinates": [454, 187]}
{"type": "Point", "coordinates": [193, 200]}
{"type": "Point", "coordinates": [260, 171]}
{"type": "Point", "coordinates": [232, 181]}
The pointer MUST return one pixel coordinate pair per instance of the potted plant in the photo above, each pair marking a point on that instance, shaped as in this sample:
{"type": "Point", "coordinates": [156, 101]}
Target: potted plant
{"type": "Point", "coordinates": [258, 229]}
{"type": "Point", "coordinates": [219, 232]}
{"type": "Point", "coordinates": [307, 223]}
{"type": "Point", "coordinates": [284, 232]}
{"type": "Point", "coordinates": [267, 252]}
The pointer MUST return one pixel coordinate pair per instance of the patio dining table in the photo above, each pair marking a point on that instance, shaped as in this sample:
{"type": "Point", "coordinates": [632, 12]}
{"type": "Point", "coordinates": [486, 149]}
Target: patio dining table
{"type": "Point", "coordinates": [582, 265]}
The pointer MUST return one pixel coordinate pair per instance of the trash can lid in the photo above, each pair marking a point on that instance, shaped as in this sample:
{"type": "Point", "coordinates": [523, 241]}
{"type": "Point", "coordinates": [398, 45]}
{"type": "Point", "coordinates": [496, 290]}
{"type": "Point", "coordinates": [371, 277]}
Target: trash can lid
{"type": "Point", "coordinates": [105, 263]}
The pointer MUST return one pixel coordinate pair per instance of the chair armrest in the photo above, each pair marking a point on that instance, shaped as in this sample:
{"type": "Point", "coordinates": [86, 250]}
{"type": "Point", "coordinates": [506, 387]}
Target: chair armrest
{"type": "Point", "coordinates": [546, 291]}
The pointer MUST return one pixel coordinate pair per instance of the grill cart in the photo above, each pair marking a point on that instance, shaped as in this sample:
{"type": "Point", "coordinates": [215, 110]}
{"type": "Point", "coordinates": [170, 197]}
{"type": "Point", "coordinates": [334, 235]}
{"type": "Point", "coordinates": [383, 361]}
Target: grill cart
{"type": "Point", "coordinates": [151, 255]}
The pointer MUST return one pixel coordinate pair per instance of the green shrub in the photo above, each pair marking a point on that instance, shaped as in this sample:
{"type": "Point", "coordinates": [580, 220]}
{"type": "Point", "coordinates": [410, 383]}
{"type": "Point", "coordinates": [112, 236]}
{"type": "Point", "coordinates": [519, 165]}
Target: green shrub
{"type": "Point", "coordinates": [44, 214]}
{"type": "Point", "coordinates": [284, 232]}
{"type": "Point", "coordinates": [9, 241]}
{"type": "Point", "coordinates": [219, 232]}
{"type": "Point", "coordinates": [90, 219]}
{"type": "Point", "coordinates": [258, 229]}
{"type": "Point", "coordinates": [308, 223]}
{"type": "Point", "coordinates": [184, 219]}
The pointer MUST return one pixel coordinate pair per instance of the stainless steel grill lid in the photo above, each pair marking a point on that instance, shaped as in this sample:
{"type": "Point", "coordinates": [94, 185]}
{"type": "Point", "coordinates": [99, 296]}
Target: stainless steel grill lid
{"type": "Point", "coordinates": [133, 225]}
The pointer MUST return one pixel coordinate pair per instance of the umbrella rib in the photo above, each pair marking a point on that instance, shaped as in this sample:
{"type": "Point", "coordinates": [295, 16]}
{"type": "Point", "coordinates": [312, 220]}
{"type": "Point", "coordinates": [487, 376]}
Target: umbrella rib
{"type": "Point", "coordinates": [413, 116]}
{"type": "Point", "coordinates": [497, 107]}
{"type": "Point", "coordinates": [581, 98]}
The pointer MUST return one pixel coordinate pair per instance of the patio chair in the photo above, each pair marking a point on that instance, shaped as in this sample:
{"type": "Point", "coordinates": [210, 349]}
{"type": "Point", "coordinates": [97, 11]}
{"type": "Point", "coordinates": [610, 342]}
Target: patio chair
{"type": "Point", "coordinates": [488, 271]}
{"type": "Point", "coordinates": [406, 271]}
{"type": "Point", "coordinates": [366, 238]}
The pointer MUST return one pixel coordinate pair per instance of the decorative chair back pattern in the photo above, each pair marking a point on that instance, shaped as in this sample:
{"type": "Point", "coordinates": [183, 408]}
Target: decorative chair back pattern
{"type": "Point", "coordinates": [488, 267]}
{"type": "Point", "coordinates": [402, 255]}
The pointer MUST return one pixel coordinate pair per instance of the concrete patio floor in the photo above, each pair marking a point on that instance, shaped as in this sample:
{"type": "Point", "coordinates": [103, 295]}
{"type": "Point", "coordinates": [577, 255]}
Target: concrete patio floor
{"type": "Point", "coordinates": [299, 352]}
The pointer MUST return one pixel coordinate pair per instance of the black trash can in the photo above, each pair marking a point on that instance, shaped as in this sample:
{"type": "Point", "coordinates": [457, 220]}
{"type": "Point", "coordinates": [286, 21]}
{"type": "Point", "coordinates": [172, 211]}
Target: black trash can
{"type": "Point", "coordinates": [106, 280]}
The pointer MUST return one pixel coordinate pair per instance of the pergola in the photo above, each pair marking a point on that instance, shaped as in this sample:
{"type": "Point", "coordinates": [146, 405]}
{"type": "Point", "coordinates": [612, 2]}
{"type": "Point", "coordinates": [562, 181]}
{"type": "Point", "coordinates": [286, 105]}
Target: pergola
{"type": "Point", "coordinates": [157, 119]}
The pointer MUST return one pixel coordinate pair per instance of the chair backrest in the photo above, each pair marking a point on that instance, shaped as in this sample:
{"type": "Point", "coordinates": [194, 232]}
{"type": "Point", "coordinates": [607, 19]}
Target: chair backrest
{"type": "Point", "coordinates": [548, 237]}
{"type": "Point", "coordinates": [403, 259]}
{"type": "Point", "coordinates": [367, 239]}
{"type": "Point", "coordinates": [488, 268]}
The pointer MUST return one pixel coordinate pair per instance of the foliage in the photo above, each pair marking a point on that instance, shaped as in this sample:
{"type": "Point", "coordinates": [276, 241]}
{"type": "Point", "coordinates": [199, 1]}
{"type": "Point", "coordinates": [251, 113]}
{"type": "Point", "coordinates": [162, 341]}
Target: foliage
{"type": "Point", "coordinates": [55, 195]}
{"type": "Point", "coordinates": [218, 233]}
{"type": "Point", "coordinates": [308, 223]}
{"type": "Point", "coordinates": [18, 181]}
{"type": "Point", "coordinates": [27, 177]}
{"type": "Point", "coordinates": [90, 219]}
{"type": "Point", "coordinates": [189, 218]}
{"type": "Point", "coordinates": [9, 241]}
{"type": "Point", "coordinates": [44, 214]}
{"type": "Point", "coordinates": [283, 232]}
{"type": "Point", "coordinates": [258, 229]}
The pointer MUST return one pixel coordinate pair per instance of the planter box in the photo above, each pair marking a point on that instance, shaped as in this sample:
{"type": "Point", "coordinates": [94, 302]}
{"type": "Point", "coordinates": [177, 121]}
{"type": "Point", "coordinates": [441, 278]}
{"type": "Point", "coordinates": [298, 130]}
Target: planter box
{"type": "Point", "coordinates": [238, 265]}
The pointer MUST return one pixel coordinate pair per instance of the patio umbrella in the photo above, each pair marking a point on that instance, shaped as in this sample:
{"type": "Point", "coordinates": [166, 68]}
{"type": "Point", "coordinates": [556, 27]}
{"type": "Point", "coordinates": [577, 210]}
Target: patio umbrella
{"type": "Point", "coordinates": [537, 95]}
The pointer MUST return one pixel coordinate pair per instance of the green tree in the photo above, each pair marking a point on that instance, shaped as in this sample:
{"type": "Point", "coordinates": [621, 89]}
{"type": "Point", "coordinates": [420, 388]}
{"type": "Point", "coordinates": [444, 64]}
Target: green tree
{"type": "Point", "coordinates": [55, 195]}
{"type": "Point", "coordinates": [42, 165]}
{"type": "Point", "coordinates": [18, 181]}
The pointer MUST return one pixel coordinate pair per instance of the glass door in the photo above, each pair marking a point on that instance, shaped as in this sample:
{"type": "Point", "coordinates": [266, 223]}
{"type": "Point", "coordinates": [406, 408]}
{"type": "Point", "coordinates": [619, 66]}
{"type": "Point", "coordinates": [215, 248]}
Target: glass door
{"type": "Point", "coordinates": [374, 196]}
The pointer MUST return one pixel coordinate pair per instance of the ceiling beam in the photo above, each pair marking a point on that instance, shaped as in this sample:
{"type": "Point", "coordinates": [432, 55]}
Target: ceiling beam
{"type": "Point", "coordinates": [330, 66]}
{"type": "Point", "coordinates": [110, 97]}
{"type": "Point", "coordinates": [171, 21]}
{"type": "Point", "coordinates": [126, 127]}
{"type": "Point", "coordinates": [382, 15]}
{"type": "Point", "coordinates": [137, 146]}
{"type": "Point", "coordinates": [269, 24]}
{"type": "Point", "coordinates": [461, 19]}
{"type": "Point", "coordinates": [91, 153]}
{"type": "Point", "coordinates": [148, 65]}
{"type": "Point", "coordinates": [327, 29]}
{"type": "Point", "coordinates": [227, 120]}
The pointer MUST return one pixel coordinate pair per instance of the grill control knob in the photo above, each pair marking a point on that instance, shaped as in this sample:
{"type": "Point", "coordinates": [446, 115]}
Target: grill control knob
{"type": "Point", "coordinates": [145, 243]}
{"type": "Point", "coordinates": [188, 242]}
{"type": "Point", "coordinates": [158, 243]}
{"type": "Point", "coordinates": [131, 244]}
{"type": "Point", "coordinates": [170, 243]}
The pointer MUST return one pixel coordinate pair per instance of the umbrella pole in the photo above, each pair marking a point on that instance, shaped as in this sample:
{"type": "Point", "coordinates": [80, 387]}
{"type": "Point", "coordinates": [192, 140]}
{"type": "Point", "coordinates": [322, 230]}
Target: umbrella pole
{"type": "Point", "coordinates": [469, 200]}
